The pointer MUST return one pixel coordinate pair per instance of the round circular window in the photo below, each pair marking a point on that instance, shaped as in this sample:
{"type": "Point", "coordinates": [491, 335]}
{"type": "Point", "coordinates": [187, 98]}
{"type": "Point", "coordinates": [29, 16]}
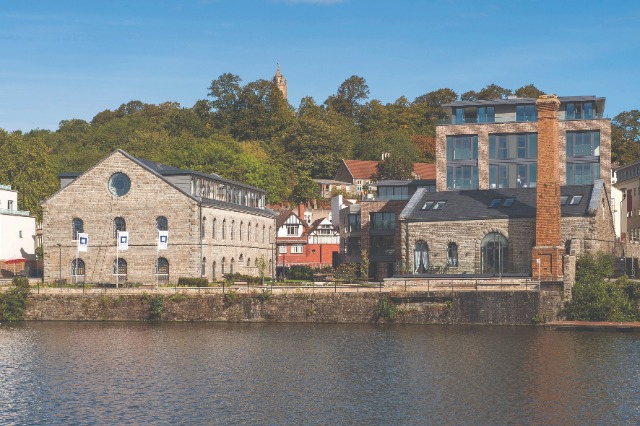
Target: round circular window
{"type": "Point", "coordinates": [119, 184]}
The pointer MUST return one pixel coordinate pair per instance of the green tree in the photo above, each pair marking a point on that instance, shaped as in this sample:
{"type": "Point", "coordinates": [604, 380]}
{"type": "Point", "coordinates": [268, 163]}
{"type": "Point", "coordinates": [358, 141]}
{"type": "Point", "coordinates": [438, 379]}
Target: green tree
{"type": "Point", "coordinates": [305, 188]}
{"type": "Point", "coordinates": [625, 137]}
{"type": "Point", "coordinates": [26, 166]}
{"type": "Point", "coordinates": [349, 97]}
{"type": "Point", "coordinates": [394, 167]}
{"type": "Point", "coordinates": [528, 91]}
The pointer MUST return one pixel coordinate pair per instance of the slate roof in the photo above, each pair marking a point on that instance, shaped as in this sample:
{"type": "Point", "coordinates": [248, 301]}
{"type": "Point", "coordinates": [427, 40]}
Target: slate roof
{"type": "Point", "coordinates": [474, 204]}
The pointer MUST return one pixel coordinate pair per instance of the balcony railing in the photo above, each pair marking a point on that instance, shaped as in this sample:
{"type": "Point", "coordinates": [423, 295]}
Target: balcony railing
{"type": "Point", "coordinates": [15, 212]}
{"type": "Point", "coordinates": [512, 119]}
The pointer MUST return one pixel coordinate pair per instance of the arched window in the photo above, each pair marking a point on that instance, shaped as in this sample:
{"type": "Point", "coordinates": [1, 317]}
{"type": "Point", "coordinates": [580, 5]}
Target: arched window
{"type": "Point", "coordinates": [567, 247]}
{"type": "Point", "coordinates": [77, 270]}
{"type": "Point", "coordinates": [249, 232]}
{"type": "Point", "coordinates": [119, 225]}
{"type": "Point", "coordinates": [162, 224]}
{"type": "Point", "coordinates": [162, 270]}
{"type": "Point", "coordinates": [420, 258]}
{"type": "Point", "coordinates": [493, 253]}
{"type": "Point", "coordinates": [248, 262]}
{"type": "Point", "coordinates": [203, 267]}
{"type": "Point", "coordinates": [241, 258]}
{"type": "Point", "coordinates": [452, 254]}
{"type": "Point", "coordinates": [77, 226]}
{"type": "Point", "coordinates": [241, 230]}
{"type": "Point", "coordinates": [213, 229]}
{"type": "Point", "coordinates": [203, 227]}
{"type": "Point", "coordinates": [257, 229]}
{"type": "Point", "coordinates": [120, 268]}
{"type": "Point", "coordinates": [233, 224]}
{"type": "Point", "coordinates": [233, 264]}
{"type": "Point", "coordinates": [222, 266]}
{"type": "Point", "coordinates": [264, 228]}
{"type": "Point", "coordinates": [224, 229]}
{"type": "Point", "coordinates": [213, 271]}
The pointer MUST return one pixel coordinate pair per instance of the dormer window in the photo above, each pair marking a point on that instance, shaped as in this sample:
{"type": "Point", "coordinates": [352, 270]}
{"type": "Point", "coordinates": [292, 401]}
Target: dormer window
{"type": "Point", "coordinates": [575, 200]}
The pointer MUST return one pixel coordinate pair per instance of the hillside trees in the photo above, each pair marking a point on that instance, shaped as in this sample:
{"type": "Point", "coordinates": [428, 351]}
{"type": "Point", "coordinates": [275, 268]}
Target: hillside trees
{"type": "Point", "coordinates": [25, 164]}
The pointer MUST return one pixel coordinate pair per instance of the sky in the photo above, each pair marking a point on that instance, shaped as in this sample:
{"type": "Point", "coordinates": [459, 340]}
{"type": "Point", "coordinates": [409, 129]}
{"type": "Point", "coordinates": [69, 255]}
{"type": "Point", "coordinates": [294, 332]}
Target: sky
{"type": "Point", "coordinates": [64, 59]}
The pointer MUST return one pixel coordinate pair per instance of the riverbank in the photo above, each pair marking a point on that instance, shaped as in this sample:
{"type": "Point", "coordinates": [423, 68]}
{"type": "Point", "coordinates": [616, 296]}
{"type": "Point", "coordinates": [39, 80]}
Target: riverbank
{"type": "Point", "coordinates": [316, 306]}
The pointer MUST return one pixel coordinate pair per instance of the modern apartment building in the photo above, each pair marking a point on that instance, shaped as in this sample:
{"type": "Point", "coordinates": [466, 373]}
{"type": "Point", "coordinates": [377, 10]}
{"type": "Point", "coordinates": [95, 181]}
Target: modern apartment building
{"type": "Point", "coordinates": [493, 144]}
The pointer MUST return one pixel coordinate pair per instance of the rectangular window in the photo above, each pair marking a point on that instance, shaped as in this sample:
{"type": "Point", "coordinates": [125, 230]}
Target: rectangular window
{"type": "Point", "coordinates": [473, 114]}
{"type": "Point", "coordinates": [513, 146]}
{"type": "Point", "coordinates": [383, 221]}
{"type": "Point", "coordinates": [462, 177]}
{"type": "Point", "coordinates": [297, 249]}
{"type": "Point", "coordinates": [463, 147]}
{"type": "Point", "coordinates": [282, 249]}
{"type": "Point", "coordinates": [513, 175]}
{"type": "Point", "coordinates": [10, 205]}
{"type": "Point", "coordinates": [583, 144]}
{"type": "Point", "coordinates": [526, 113]}
{"type": "Point", "coordinates": [352, 246]}
{"type": "Point", "coordinates": [354, 223]}
{"type": "Point", "coordinates": [292, 230]}
{"type": "Point", "coordinates": [582, 173]}
{"type": "Point", "coordinates": [579, 111]}
{"type": "Point", "coordinates": [382, 245]}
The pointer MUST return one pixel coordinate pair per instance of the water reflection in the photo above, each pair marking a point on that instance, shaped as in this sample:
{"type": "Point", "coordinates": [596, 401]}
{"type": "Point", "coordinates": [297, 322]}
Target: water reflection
{"type": "Point", "coordinates": [115, 373]}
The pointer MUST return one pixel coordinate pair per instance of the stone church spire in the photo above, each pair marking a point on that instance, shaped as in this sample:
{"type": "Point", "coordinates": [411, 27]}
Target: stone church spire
{"type": "Point", "coordinates": [281, 82]}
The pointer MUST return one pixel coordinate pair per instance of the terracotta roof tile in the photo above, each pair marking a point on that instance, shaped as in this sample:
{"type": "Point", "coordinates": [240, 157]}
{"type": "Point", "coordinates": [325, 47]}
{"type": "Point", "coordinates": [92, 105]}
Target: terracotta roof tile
{"type": "Point", "coordinates": [425, 170]}
{"type": "Point", "coordinates": [361, 169]}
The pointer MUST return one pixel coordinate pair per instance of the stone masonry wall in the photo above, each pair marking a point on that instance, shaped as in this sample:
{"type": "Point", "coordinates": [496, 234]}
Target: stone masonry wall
{"type": "Point", "coordinates": [411, 307]}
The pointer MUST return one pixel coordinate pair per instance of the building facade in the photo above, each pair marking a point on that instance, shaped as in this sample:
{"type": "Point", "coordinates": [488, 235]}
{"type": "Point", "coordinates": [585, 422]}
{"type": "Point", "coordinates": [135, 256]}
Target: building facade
{"type": "Point", "coordinates": [17, 235]}
{"type": "Point", "coordinates": [494, 143]}
{"type": "Point", "coordinates": [214, 226]}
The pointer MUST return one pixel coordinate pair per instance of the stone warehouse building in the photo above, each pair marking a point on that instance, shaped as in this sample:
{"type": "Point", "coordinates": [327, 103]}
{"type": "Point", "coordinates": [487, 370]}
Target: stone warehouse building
{"type": "Point", "coordinates": [493, 232]}
{"type": "Point", "coordinates": [215, 226]}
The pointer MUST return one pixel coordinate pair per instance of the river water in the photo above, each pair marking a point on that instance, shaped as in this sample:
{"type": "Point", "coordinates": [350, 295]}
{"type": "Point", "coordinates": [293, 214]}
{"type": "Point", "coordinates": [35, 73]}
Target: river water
{"type": "Point", "coordinates": [305, 374]}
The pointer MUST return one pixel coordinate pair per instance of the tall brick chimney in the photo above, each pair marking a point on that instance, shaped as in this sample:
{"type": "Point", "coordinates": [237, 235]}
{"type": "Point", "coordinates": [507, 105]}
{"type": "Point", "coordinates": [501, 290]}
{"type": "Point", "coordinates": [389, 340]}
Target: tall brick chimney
{"type": "Point", "coordinates": [301, 212]}
{"type": "Point", "coordinates": [547, 253]}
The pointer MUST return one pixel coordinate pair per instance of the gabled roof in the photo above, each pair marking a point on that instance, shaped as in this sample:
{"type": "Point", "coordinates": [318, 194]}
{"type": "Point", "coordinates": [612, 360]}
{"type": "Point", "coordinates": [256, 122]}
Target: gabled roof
{"type": "Point", "coordinates": [316, 223]}
{"type": "Point", "coordinates": [363, 169]}
{"type": "Point", "coordinates": [285, 214]}
{"type": "Point", "coordinates": [474, 204]}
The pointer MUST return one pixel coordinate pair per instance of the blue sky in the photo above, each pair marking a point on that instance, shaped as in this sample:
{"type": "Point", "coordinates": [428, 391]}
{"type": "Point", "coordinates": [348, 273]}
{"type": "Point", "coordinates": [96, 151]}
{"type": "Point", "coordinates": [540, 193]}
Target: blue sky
{"type": "Point", "coordinates": [72, 59]}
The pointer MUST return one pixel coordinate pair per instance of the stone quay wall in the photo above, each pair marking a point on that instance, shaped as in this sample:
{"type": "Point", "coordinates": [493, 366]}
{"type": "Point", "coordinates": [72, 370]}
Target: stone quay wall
{"type": "Point", "coordinates": [412, 307]}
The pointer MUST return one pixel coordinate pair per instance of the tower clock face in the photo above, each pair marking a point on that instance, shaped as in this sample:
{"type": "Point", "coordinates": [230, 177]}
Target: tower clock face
{"type": "Point", "coordinates": [119, 184]}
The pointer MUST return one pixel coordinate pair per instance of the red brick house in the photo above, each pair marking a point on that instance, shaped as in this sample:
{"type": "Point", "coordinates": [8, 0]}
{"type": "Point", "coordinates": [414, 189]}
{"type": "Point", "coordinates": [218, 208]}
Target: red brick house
{"type": "Point", "coordinates": [299, 243]}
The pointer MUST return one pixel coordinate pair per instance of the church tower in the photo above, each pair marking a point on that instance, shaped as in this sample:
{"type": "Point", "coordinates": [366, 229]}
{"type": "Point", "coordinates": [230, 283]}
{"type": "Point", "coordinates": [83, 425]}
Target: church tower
{"type": "Point", "coordinates": [281, 82]}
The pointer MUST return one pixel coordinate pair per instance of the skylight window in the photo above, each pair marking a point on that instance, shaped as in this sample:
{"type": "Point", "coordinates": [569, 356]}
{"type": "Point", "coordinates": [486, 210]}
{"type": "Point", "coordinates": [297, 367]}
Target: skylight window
{"type": "Point", "coordinates": [575, 200]}
{"type": "Point", "coordinates": [563, 200]}
{"type": "Point", "coordinates": [427, 205]}
{"type": "Point", "coordinates": [439, 205]}
{"type": "Point", "coordinates": [508, 202]}
{"type": "Point", "coordinates": [495, 203]}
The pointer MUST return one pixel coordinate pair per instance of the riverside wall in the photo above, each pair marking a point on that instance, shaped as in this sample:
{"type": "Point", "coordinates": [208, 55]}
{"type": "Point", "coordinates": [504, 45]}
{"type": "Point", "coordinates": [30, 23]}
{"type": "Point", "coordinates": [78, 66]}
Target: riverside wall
{"type": "Point", "coordinates": [413, 307]}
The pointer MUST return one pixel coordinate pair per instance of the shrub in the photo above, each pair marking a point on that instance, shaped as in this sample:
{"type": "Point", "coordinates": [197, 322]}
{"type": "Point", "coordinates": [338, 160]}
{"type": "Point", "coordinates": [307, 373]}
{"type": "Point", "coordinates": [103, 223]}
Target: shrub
{"type": "Point", "coordinates": [594, 298]}
{"type": "Point", "coordinates": [230, 278]}
{"type": "Point", "coordinates": [14, 300]}
{"type": "Point", "coordinates": [300, 272]}
{"type": "Point", "coordinates": [193, 282]}
{"type": "Point", "coordinates": [156, 307]}
{"type": "Point", "coordinates": [385, 310]}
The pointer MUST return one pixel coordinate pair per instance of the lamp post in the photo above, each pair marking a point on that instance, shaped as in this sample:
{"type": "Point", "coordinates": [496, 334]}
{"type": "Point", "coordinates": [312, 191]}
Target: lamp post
{"type": "Point", "coordinates": [539, 277]}
{"type": "Point", "coordinates": [60, 266]}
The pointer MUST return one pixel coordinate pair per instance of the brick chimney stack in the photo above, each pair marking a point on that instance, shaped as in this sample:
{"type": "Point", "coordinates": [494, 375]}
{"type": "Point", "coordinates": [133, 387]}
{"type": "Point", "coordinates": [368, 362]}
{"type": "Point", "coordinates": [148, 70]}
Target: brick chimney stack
{"type": "Point", "coordinates": [548, 249]}
{"type": "Point", "coordinates": [301, 212]}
